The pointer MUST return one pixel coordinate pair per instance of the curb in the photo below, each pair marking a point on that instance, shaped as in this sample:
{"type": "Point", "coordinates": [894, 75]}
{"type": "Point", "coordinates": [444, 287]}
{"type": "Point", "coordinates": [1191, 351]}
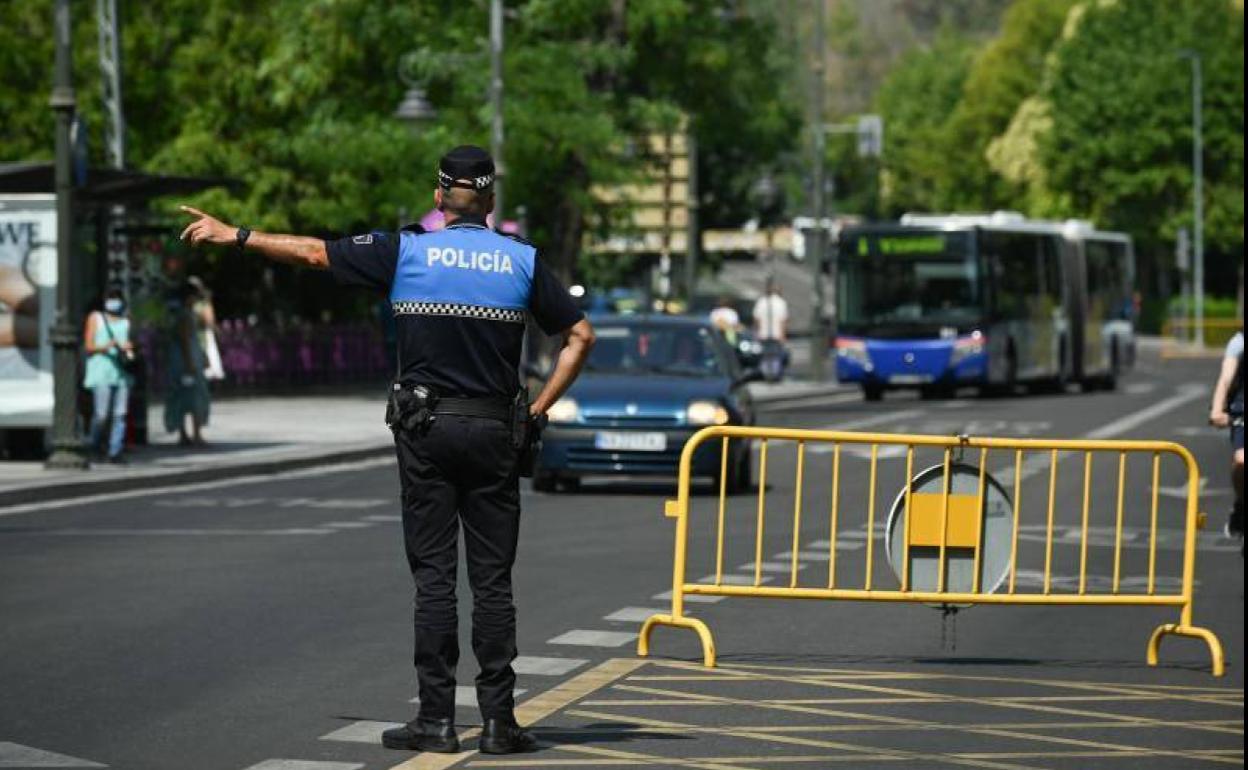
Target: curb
{"type": "Point", "coordinates": [61, 490]}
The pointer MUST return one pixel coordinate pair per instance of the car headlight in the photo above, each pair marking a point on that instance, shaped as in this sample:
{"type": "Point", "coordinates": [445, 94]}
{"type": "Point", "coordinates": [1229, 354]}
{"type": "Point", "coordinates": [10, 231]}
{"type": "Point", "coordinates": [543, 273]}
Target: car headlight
{"type": "Point", "coordinates": [564, 410]}
{"type": "Point", "coordinates": [706, 413]}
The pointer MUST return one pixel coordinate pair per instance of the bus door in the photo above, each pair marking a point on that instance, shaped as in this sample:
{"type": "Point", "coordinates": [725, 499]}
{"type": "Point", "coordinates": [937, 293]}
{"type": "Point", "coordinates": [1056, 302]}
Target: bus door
{"type": "Point", "coordinates": [1027, 298]}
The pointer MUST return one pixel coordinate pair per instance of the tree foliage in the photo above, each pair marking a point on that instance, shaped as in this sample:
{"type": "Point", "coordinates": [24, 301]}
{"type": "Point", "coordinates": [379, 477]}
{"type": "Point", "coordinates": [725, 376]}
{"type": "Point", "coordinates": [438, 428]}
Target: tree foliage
{"type": "Point", "coordinates": [295, 98]}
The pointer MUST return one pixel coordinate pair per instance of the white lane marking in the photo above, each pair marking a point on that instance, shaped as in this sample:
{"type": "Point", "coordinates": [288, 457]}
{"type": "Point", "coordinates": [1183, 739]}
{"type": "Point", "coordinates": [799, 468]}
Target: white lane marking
{"type": "Point", "coordinates": [127, 494]}
{"type": "Point", "coordinates": [778, 567]}
{"type": "Point", "coordinates": [848, 425]}
{"type": "Point", "coordinates": [1133, 538]}
{"type": "Point", "coordinates": [1133, 584]}
{"type": "Point", "coordinates": [349, 524]}
{"type": "Point", "coordinates": [329, 503]}
{"type": "Point", "coordinates": [633, 614]}
{"type": "Point", "coordinates": [303, 764]}
{"type": "Point", "coordinates": [1040, 462]}
{"type": "Point", "coordinates": [466, 696]}
{"type": "Point", "coordinates": [583, 638]}
{"type": "Point", "coordinates": [17, 755]}
{"type": "Point", "coordinates": [736, 580]}
{"type": "Point", "coordinates": [810, 555]}
{"type": "Point", "coordinates": [535, 665]}
{"type": "Point", "coordinates": [360, 732]}
{"type": "Point", "coordinates": [1140, 388]}
{"type": "Point", "coordinates": [853, 540]}
{"type": "Point", "coordinates": [666, 596]}
{"type": "Point", "coordinates": [808, 402]}
{"type": "Point", "coordinates": [383, 518]}
{"type": "Point", "coordinates": [877, 419]}
{"type": "Point", "coordinates": [125, 532]}
{"type": "Point", "coordinates": [1129, 422]}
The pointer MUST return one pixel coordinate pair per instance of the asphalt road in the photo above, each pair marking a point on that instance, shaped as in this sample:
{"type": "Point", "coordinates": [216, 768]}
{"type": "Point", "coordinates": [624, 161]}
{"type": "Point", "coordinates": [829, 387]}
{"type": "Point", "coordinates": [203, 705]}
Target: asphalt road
{"type": "Point", "coordinates": [267, 624]}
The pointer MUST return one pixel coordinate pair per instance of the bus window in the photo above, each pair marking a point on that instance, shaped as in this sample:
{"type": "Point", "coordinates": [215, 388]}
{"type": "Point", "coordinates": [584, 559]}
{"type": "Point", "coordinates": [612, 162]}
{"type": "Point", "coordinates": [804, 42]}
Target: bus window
{"type": "Point", "coordinates": [1051, 253]}
{"type": "Point", "coordinates": [1018, 279]}
{"type": "Point", "coordinates": [1109, 278]}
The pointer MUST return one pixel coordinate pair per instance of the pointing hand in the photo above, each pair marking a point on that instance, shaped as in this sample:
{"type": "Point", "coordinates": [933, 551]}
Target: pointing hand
{"type": "Point", "coordinates": [207, 229]}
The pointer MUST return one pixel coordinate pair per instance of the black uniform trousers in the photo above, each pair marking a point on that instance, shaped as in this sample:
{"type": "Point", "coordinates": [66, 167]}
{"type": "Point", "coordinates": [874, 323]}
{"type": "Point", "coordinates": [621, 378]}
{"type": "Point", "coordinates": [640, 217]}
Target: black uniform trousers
{"type": "Point", "coordinates": [462, 470]}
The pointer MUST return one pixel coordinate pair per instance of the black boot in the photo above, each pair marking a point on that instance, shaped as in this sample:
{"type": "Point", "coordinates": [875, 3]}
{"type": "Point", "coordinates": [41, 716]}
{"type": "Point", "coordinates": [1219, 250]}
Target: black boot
{"type": "Point", "coordinates": [436, 735]}
{"type": "Point", "coordinates": [504, 736]}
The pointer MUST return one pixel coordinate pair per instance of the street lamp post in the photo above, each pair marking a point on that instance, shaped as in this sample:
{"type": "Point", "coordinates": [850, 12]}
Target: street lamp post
{"type": "Point", "coordinates": [67, 448]}
{"type": "Point", "coordinates": [496, 106]}
{"type": "Point", "coordinates": [818, 331]}
{"type": "Point", "coordinates": [1198, 203]}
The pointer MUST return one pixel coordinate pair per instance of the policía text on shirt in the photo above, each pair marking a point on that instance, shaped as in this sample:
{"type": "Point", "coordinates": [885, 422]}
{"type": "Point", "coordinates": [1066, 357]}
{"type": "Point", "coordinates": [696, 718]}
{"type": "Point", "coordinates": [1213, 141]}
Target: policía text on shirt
{"type": "Point", "coordinates": [486, 261]}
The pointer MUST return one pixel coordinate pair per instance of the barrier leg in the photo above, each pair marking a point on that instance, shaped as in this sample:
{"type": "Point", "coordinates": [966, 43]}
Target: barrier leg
{"type": "Point", "coordinates": [1194, 632]}
{"type": "Point", "coordinates": [704, 634]}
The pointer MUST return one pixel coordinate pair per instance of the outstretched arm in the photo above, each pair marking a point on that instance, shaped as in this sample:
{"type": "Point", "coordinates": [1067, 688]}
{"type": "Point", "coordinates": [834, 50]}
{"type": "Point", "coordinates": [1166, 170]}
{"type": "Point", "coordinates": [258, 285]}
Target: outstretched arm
{"type": "Point", "coordinates": [297, 250]}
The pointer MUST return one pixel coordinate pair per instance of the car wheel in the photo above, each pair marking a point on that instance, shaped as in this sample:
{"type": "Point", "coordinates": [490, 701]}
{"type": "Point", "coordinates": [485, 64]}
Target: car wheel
{"type": "Point", "coordinates": [872, 392]}
{"type": "Point", "coordinates": [570, 484]}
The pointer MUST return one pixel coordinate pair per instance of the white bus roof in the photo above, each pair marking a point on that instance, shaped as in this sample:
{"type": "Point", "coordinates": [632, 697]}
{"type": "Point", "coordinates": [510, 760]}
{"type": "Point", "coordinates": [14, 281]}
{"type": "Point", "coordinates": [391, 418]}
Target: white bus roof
{"type": "Point", "coordinates": [1011, 220]}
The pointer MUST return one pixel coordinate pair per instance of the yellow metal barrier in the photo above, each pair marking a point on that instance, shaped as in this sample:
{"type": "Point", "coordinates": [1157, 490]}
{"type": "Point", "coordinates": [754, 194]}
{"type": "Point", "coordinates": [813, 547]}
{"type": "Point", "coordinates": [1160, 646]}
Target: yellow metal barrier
{"type": "Point", "coordinates": [1177, 337]}
{"type": "Point", "coordinates": [945, 523]}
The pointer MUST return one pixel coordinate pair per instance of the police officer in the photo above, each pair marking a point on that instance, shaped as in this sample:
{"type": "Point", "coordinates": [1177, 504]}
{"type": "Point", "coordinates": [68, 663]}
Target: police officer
{"type": "Point", "coordinates": [459, 297]}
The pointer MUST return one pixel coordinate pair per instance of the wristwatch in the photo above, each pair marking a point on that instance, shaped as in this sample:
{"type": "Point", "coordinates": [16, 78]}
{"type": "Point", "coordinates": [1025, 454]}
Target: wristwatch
{"type": "Point", "coordinates": [240, 239]}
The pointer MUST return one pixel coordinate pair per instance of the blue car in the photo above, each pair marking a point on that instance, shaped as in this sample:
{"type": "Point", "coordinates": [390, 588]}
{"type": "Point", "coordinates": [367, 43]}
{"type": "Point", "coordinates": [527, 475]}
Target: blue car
{"type": "Point", "coordinates": [649, 384]}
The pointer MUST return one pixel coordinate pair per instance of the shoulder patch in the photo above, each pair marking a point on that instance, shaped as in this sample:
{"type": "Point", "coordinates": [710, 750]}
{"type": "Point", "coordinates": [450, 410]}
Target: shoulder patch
{"type": "Point", "coordinates": [362, 240]}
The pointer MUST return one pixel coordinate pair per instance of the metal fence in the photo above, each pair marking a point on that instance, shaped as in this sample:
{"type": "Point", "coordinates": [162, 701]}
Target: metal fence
{"type": "Point", "coordinates": [958, 544]}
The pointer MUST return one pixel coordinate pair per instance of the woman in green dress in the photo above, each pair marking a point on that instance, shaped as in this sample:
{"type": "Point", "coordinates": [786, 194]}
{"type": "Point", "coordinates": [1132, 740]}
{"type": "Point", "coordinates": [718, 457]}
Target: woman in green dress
{"type": "Point", "coordinates": [187, 389]}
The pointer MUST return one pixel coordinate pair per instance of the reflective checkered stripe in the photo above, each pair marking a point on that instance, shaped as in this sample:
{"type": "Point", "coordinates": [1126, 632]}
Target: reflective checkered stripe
{"type": "Point", "coordinates": [459, 311]}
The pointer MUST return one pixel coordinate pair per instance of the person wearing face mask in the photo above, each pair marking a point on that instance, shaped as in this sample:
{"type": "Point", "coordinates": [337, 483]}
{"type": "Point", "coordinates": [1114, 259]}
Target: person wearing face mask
{"type": "Point", "coordinates": [108, 346]}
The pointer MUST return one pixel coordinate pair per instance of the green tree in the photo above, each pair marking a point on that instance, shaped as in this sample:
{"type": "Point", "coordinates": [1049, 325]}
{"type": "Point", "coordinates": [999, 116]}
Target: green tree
{"type": "Point", "coordinates": [1008, 70]}
{"type": "Point", "coordinates": [294, 99]}
{"type": "Point", "coordinates": [1118, 148]}
{"type": "Point", "coordinates": [916, 102]}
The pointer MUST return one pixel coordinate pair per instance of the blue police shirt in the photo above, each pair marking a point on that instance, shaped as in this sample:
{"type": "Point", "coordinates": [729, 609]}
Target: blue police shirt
{"type": "Point", "coordinates": [460, 298]}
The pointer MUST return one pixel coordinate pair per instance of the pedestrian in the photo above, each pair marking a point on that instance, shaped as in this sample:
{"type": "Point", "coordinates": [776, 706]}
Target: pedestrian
{"type": "Point", "coordinates": [186, 392]}
{"type": "Point", "coordinates": [771, 326]}
{"type": "Point", "coordinates": [459, 297]}
{"type": "Point", "coordinates": [106, 340]}
{"type": "Point", "coordinates": [205, 316]}
{"type": "Point", "coordinates": [725, 318]}
{"type": "Point", "coordinates": [1227, 411]}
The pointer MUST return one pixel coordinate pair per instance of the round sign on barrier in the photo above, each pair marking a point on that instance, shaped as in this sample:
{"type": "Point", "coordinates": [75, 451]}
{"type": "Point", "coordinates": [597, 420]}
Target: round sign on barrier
{"type": "Point", "coordinates": [970, 526]}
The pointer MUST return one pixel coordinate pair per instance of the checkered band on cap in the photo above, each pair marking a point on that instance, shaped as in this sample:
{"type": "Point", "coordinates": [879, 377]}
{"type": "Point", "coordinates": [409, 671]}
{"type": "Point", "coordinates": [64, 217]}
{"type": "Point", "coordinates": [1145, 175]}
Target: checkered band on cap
{"type": "Point", "coordinates": [459, 311]}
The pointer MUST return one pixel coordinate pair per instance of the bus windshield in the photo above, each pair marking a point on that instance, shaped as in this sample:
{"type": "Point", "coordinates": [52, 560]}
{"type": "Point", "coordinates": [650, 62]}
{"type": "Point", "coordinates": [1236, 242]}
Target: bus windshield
{"type": "Point", "coordinates": [911, 281]}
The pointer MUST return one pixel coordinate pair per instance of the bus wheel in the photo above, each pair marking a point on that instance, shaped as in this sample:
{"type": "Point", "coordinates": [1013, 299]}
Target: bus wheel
{"type": "Point", "coordinates": [873, 392]}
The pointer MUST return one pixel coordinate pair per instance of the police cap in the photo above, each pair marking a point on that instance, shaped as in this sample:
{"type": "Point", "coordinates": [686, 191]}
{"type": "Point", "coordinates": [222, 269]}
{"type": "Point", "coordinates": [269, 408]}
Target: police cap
{"type": "Point", "coordinates": [466, 166]}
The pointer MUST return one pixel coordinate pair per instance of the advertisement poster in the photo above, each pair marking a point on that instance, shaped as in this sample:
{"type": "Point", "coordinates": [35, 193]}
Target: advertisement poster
{"type": "Point", "coordinates": [27, 303]}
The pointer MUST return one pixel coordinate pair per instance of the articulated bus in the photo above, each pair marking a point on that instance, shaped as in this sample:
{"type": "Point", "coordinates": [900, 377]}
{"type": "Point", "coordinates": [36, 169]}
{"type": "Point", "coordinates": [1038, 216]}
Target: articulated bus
{"type": "Point", "coordinates": [939, 301]}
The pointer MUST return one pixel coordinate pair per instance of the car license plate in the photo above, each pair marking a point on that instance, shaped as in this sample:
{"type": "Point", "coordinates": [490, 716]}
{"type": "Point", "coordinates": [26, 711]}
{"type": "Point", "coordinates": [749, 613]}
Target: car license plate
{"type": "Point", "coordinates": [910, 379]}
{"type": "Point", "coordinates": [631, 442]}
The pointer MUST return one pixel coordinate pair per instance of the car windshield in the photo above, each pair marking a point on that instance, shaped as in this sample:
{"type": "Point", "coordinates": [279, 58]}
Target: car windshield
{"type": "Point", "coordinates": [655, 349]}
{"type": "Point", "coordinates": [912, 278]}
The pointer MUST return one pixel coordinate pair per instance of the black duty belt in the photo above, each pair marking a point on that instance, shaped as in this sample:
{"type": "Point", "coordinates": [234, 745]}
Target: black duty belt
{"type": "Point", "coordinates": [491, 408]}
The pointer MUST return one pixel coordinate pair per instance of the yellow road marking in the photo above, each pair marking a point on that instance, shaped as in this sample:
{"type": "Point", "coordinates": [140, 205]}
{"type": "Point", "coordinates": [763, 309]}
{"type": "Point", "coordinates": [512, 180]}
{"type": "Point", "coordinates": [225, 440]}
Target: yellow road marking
{"type": "Point", "coordinates": [970, 728]}
{"type": "Point", "coordinates": [860, 752]}
{"type": "Point", "coordinates": [536, 708]}
{"type": "Point", "coordinates": [1021, 705]}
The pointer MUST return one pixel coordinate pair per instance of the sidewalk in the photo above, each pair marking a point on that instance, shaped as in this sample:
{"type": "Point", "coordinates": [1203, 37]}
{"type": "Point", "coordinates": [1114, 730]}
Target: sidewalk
{"type": "Point", "coordinates": [245, 437]}
{"type": "Point", "coordinates": [263, 435]}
